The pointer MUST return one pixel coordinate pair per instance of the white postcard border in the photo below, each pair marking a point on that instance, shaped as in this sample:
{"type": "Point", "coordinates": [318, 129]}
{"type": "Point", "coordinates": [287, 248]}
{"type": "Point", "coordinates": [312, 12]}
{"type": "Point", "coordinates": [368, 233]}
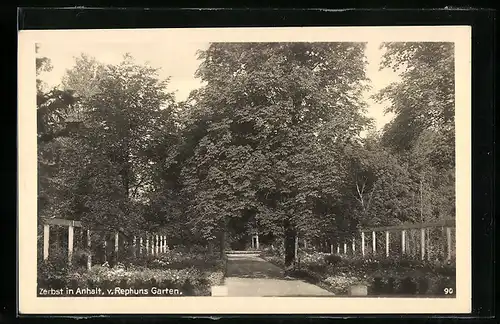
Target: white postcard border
{"type": "Point", "coordinates": [29, 303]}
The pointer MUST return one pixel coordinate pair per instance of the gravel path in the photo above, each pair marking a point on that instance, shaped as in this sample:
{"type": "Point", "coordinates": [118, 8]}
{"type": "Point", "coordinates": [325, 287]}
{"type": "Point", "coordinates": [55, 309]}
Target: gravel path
{"type": "Point", "coordinates": [252, 276]}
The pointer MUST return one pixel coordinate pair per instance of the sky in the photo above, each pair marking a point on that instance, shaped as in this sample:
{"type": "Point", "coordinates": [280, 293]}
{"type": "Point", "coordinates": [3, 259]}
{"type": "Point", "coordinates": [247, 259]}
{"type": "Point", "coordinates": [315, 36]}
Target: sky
{"type": "Point", "coordinates": [179, 62]}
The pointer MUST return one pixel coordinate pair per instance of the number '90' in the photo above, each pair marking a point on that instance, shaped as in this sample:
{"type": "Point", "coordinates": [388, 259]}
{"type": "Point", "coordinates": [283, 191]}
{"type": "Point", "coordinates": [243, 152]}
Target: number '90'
{"type": "Point", "coordinates": [448, 291]}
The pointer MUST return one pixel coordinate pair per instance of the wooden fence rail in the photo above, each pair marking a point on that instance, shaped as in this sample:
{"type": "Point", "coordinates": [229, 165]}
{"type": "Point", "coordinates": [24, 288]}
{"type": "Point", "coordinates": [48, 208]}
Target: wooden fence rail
{"type": "Point", "coordinates": [154, 243]}
{"type": "Point", "coordinates": [427, 241]}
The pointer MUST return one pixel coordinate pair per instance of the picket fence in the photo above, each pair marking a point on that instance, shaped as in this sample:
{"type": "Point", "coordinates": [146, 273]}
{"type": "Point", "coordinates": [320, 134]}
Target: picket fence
{"type": "Point", "coordinates": [137, 245]}
{"type": "Point", "coordinates": [427, 241]}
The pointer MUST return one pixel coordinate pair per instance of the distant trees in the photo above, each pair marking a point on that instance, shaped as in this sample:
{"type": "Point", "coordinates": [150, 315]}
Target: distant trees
{"type": "Point", "coordinates": [272, 141]}
{"type": "Point", "coordinates": [125, 117]}
{"type": "Point", "coordinates": [423, 130]}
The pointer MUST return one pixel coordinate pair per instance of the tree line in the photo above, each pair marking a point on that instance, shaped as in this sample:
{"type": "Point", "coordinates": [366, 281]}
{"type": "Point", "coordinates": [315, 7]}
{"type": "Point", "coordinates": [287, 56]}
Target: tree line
{"type": "Point", "coordinates": [271, 141]}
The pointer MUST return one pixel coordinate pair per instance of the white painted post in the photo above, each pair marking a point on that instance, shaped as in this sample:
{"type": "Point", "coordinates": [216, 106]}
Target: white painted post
{"type": "Point", "coordinates": [46, 237]}
{"type": "Point", "coordinates": [257, 241]}
{"type": "Point", "coordinates": [89, 255]}
{"type": "Point", "coordinates": [428, 246]}
{"type": "Point", "coordinates": [403, 242]}
{"type": "Point", "coordinates": [387, 243]}
{"type": "Point", "coordinates": [363, 244]}
{"type": "Point", "coordinates": [422, 243]}
{"type": "Point", "coordinates": [147, 245]}
{"type": "Point", "coordinates": [149, 241]}
{"type": "Point", "coordinates": [296, 248]}
{"type": "Point", "coordinates": [331, 248]}
{"type": "Point", "coordinates": [134, 246]}
{"type": "Point", "coordinates": [157, 245]}
{"type": "Point", "coordinates": [338, 248]}
{"type": "Point", "coordinates": [353, 246]}
{"type": "Point", "coordinates": [105, 244]}
{"type": "Point", "coordinates": [116, 243]}
{"type": "Point", "coordinates": [152, 245]}
{"type": "Point", "coordinates": [374, 243]}
{"type": "Point", "coordinates": [345, 248]}
{"type": "Point", "coordinates": [70, 243]}
{"type": "Point", "coordinates": [140, 245]}
{"type": "Point", "coordinates": [448, 241]}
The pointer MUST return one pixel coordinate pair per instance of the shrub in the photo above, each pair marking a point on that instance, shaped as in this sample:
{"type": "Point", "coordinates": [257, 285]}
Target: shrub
{"type": "Point", "coordinates": [397, 275]}
{"type": "Point", "coordinates": [305, 274]}
{"type": "Point", "coordinates": [332, 259]}
{"type": "Point", "coordinates": [377, 287]}
{"type": "Point", "coordinates": [53, 272]}
{"type": "Point", "coordinates": [192, 273]}
{"type": "Point", "coordinates": [423, 285]}
{"type": "Point", "coordinates": [408, 286]}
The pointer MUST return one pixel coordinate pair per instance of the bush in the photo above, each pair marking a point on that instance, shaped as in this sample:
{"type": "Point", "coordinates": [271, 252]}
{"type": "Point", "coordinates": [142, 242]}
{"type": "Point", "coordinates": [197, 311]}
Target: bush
{"type": "Point", "coordinates": [53, 272]}
{"type": "Point", "coordinates": [192, 273]}
{"type": "Point", "coordinates": [189, 281]}
{"type": "Point", "coordinates": [332, 259]}
{"type": "Point", "coordinates": [305, 274]}
{"type": "Point", "coordinates": [384, 276]}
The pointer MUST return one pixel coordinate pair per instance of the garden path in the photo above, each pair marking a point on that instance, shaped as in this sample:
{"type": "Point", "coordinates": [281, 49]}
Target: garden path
{"type": "Point", "coordinates": [252, 276]}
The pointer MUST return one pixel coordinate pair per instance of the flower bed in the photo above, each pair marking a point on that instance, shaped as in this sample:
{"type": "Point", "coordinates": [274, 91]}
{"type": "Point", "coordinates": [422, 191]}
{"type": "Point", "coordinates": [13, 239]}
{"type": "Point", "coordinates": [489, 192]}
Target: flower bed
{"type": "Point", "coordinates": [383, 276]}
{"type": "Point", "coordinates": [189, 273]}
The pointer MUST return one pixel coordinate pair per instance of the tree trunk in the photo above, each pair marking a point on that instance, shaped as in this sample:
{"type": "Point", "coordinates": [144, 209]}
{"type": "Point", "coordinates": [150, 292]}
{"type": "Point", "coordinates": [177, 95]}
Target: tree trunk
{"type": "Point", "coordinates": [222, 243]}
{"type": "Point", "coordinates": [210, 247]}
{"type": "Point", "coordinates": [290, 237]}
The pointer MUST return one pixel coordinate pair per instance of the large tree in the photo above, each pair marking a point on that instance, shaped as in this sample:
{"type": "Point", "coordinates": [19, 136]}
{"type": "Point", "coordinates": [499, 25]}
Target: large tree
{"type": "Point", "coordinates": [273, 119]}
{"type": "Point", "coordinates": [54, 133]}
{"type": "Point", "coordinates": [127, 125]}
{"type": "Point", "coordinates": [422, 132]}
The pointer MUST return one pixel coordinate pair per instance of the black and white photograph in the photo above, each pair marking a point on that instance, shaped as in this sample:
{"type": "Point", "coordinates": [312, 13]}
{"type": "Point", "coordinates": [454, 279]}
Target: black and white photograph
{"type": "Point", "coordinates": [282, 164]}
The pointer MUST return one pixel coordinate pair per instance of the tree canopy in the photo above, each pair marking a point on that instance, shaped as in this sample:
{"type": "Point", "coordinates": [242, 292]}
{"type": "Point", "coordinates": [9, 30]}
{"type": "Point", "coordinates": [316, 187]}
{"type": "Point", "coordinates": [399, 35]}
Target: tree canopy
{"type": "Point", "coordinates": [272, 142]}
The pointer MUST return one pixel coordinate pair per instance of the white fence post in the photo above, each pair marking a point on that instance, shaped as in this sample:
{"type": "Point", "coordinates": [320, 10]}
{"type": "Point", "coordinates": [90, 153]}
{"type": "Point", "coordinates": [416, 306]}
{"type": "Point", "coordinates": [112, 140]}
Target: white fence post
{"type": "Point", "coordinates": [140, 245]}
{"type": "Point", "coordinates": [46, 242]}
{"type": "Point", "coordinates": [374, 243]}
{"type": "Point", "coordinates": [387, 238]}
{"type": "Point", "coordinates": [116, 246]}
{"type": "Point", "coordinates": [448, 241]}
{"type": "Point", "coordinates": [157, 245]}
{"type": "Point", "coordinates": [70, 243]}
{"type": "Point", "coordinates": [363, 244]}
{"type": "Point", "coordinates": [403, 242]}
{"type": "Point", "coordinates": [422, 243]}
{"type": "Point", "coordinates": [89, 246]}
{"type": "Point", "coordinates": [105, 244]}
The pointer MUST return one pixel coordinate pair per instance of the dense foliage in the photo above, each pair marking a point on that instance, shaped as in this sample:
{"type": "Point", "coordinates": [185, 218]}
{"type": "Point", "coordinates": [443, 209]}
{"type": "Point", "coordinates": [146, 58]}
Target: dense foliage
{"type": "Point", "coordinates": [271, 142]}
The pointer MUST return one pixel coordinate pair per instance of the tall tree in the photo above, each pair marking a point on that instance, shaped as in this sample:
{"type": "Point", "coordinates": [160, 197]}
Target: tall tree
{"type": "Point", "coordinates": [127, 115]}
{"type": "Point", "coordinates": [54, 131]}
{"type": "Point", "coordinates": [275, 117]}
{"type": "Point", "coordinates": [423, 131]}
